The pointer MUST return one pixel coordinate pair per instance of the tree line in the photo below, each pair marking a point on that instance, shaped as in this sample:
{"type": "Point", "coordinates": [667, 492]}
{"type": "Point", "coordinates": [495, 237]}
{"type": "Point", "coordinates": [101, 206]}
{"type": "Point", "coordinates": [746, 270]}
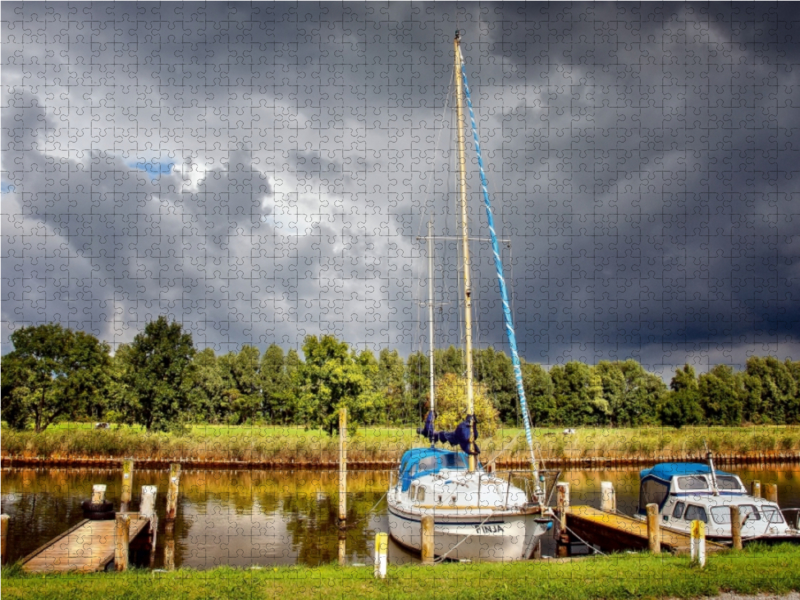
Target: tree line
{"type": "Point", "coordinates": [162, 382]}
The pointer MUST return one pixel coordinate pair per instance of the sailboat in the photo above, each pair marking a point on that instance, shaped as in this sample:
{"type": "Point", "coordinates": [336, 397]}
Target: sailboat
{"type": "Point", "coordinates": [477, 515]}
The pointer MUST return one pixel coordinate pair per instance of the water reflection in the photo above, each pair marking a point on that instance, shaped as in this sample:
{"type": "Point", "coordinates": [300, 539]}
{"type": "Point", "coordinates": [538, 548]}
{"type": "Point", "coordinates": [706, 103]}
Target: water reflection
{"type": "Point", "coordinates": [244, 518]}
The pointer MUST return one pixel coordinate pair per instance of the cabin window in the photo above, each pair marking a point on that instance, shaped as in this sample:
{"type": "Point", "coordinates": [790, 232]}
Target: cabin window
{"type": "Point", "coordinates": [677, 512]}
{"type": "Point", "coordinates": [772, 515]}
{"type": "Point", "coordinates": [728, 482]}
{"type": "Point", "coordinates": [427, 464]}
{"type": "Point", "coordinates": [693, 482]}
{"type": "Point", "coordinates": [420, 494]}
{"type": "Point", "coordinates": [652, 491]}
{"type": "Point", "coordinates": [696, 513]}
{"type": "Point", "coordinates": [453, 461]}
{"type": "Point", "coordinates": [749, 511]}
{"type": "Point", "coordinates": [721, 515]}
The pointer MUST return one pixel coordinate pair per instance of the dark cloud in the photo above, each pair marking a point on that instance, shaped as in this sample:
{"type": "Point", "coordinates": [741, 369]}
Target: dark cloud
{"type": "Point", "coordinates": [640, 157]}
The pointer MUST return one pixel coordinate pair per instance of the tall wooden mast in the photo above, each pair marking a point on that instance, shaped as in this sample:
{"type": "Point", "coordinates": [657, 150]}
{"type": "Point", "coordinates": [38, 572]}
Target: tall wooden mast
{"type": "Point", "coordinates": [462, 196]}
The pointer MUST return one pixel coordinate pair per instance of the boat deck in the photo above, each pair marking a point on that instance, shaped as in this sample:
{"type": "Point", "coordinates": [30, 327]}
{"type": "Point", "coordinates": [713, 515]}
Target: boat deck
{"type": "Point", "coordinates": [85, 548]}
{"type": "Point", "coordinates": [613, 531]}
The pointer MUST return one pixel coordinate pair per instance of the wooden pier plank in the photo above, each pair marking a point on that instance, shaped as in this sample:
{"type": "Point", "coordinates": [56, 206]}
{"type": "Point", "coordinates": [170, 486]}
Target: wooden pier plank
{"type": "Point", "coordinates": [85, 548]}
{"type": "Point", "coordinates": [624, 531]}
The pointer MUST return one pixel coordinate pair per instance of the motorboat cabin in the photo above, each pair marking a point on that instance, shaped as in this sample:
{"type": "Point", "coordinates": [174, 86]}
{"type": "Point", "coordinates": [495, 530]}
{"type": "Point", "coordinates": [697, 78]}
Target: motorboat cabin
{"type": "Point", "coordinates": [685, 492]}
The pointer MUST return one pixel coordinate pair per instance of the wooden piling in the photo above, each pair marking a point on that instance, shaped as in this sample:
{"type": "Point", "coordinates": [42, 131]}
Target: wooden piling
{"type": "Point", "coordinates": [755, 488]}
{"type": "Point", "coordinates": [562, 506]}
{"type": "Point", "coordinates": [169, 548]}
{"type": "Point", "coordinates": [736, 527]}
{"type": "Point", "coordinates": [653, 529]}
{"type": "Point", "coordinates": [127, 484]}
{"type": "Point", "coordinates": [772, 492]}
{"type": "Point", "coordinates": [427, 540]}
{"type": "Point", "coordinates": [342, 467]}
{"type": "Point", "coordinates": [98, 493]}
{"type": "Point", "coordinates": [172, 491]}
{"type": "Point", "coordinates": [608, 497]}
{"type": "Point", "coordinates": [3, 537]}
{"type": "Point", "coordinates": [122, 541]}
{"type": "Point", "coordinates": [342, 548]}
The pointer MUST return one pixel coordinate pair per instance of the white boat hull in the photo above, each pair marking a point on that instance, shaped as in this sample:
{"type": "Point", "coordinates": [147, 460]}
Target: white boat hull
{"type": "Point", "coordinates": [487, 537]}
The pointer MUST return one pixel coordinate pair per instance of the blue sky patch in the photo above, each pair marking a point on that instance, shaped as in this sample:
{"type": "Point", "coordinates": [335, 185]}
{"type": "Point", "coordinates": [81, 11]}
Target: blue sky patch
{"type": "Point", "coordinates": [154, 168]}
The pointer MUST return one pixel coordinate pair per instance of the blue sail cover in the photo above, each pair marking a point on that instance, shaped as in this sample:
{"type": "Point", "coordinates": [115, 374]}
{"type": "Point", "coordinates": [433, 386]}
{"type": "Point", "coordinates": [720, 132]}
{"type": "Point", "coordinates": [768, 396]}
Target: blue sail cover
{"type": "Point", "coordinates": [459, 437]}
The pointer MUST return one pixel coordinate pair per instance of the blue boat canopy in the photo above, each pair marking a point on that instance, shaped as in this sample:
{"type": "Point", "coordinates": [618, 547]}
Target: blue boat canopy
{"type": "Point", "coordinates": [666, 471]}
{"type": "Point", "coordinates": [423, 461]}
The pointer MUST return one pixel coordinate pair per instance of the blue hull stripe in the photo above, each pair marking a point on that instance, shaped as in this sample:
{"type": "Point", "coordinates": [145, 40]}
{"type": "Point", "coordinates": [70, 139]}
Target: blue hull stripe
{"type": "Point", "coordinates": [453, 523]}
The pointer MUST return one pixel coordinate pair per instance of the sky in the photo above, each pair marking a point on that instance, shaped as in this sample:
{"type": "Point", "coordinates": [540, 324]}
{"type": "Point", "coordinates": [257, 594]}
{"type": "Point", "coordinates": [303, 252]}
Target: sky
{"type": "Point", "coordinates": [262, 172]}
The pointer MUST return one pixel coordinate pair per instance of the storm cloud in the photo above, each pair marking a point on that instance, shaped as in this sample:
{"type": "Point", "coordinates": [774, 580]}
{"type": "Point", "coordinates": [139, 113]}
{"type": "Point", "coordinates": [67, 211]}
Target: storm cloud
{"type": "Point", "coordinates": [262, 172]}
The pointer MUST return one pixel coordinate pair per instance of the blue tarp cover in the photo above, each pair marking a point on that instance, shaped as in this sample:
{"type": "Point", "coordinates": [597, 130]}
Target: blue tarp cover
{"type": "Point", "coordinates": [444, 458]}
{"type": "Point", "coordinates": [666, 471]}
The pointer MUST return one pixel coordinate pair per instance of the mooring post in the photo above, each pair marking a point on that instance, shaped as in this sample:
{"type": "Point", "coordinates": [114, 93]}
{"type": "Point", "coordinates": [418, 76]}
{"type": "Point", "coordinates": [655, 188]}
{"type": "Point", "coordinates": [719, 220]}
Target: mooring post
{"type": "Point", "coordinates": [127, 484]}
{"type": "Point", "coordinates": [122, 541]}
{"type": "Point", "coordinates": [653, 529]}
{"type": "Point", "coordinates": [98, 493]}
{"type": "Point", "coordinates": [147, 510]}
{"type": "Point", "coordinates": [562, 506]}
{"type": "Point", "coordinates": [342, 547]}
{"type": "Point", "coordinates": [381, 550]}
{"type": "Point", "coordinates": [736, 527]}
{"type": "Point", "coordinates": [755, 488]}
{"type": "Point", "coordinates": [169, 549]}
{"type": "Point", "coordinates": [342, 467]}
{"type": "Point", "coordinates": [427, 541]}
{"type": "Point", "coordinates": [608, 497]}
{"type": "Point", "coordinates": [3, 537]}
{"type": "Point", "coordinates": [697, 544]}
{"type": "Point", "coordinates": [172, 492]}
{"type": "Point", "coordinates": [772, 492]}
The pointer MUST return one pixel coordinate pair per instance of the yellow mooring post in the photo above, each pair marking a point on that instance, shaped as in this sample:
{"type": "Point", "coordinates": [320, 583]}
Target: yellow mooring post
{"type": "Point", "coordinates": [172, 492]}
{"type": "Point", "coordinates": [342, 467]}
{"type": "Point", "coordinates": [697, 545]}
{"type": "Point", "coordinates": [427, 540]}
{"type": "Point", "coordinates": [381, 551]}
{"type": "Point", "coordinates": [127, 484]}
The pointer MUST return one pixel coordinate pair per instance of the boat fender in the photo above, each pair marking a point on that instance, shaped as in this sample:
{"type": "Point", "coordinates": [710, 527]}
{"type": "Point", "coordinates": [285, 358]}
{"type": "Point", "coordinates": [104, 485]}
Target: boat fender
{"type": "Point", "coordinates": [101, 507]}
{"type": "Point", "coordinates": [101, 516]}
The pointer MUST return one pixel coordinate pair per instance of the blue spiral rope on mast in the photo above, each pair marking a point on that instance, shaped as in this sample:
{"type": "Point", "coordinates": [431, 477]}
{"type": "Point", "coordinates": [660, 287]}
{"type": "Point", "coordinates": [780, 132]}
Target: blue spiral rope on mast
{"type": "Point", "coordinates": [498, 263]}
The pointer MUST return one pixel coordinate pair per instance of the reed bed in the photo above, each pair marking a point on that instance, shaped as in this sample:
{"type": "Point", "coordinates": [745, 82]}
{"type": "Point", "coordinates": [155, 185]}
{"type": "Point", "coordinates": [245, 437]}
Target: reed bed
{"type": "Point", "coordinates": [287, 445]}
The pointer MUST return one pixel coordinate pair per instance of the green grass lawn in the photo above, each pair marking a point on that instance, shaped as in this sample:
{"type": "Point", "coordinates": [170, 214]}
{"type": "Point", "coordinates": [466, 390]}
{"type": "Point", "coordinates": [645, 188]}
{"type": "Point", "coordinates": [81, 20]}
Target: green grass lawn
{"type": "Point", "coordinates": [756, 570]}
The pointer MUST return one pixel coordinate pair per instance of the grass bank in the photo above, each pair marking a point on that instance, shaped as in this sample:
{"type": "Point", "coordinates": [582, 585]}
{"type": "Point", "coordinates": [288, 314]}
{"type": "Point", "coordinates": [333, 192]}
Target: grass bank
{"type": "Point", "coordinates": [289, 444]}
{"type": "Point", "coordinates": [756, 570]}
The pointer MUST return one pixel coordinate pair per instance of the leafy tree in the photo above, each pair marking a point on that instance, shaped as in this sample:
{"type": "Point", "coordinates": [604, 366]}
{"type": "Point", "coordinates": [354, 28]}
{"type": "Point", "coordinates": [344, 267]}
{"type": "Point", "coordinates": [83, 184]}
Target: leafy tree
{"type": "Point", "coordinates": [495, 371]}
{"type": "Point", "coordinates": [682, 406]}
{"type": "Point", "coordinates": [243, 393]}
{"type": "Point", "coordinates": [51, 372]}
{"type": "Point", "coordinates": [451, 405]}
{"type": "Point", "coordinates": [207, 386]}
{"type": "Point", "coordinates": [771, 391]}
{"type": "Point", "coordinates": [418, 379]}
{"type": "Point", "coordinates": [390, 382]}
{"type": "Point", "coordinates": [330, 378]}
{"type": "Point", "coordinates": [157, 372]}
{"type": "Point", "coordinates": [720, 392]}
{"type": "Point", "coordinates": [277, 386]}
{"type": "Point", "coordinates": [574, 405]}
{"type": "Point", "coordinates": [538, 393]}
{"type": "Point", "coordinates": [448, 361]}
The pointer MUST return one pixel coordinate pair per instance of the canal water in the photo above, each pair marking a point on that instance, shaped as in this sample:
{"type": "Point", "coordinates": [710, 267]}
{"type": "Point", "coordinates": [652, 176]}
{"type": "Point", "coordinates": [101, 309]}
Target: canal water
{"type": "Point", "coordinates": [265, 518]}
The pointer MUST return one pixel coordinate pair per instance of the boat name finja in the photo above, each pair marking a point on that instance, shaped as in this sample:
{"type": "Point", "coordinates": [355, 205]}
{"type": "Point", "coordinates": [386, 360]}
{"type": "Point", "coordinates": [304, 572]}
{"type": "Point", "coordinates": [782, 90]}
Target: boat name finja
{"type": "Point", "coordinates": [489, 529]}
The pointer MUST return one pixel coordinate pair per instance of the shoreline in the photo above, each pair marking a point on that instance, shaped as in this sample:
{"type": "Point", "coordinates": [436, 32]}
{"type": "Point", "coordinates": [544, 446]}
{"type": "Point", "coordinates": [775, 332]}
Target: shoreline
{"type": "Point", "coordinates": [598, 462]}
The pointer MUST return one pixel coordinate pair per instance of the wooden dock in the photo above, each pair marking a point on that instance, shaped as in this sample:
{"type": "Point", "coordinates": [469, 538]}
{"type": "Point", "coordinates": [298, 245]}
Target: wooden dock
{"type": "Point", "coordinates": [616, 532]}
{"type": "Point", "coordinates": [85, 548]}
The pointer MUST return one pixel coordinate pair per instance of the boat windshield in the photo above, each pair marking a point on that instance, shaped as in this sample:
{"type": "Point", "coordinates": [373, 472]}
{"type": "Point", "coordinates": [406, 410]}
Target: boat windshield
{"type": "Point", "coordinates": [453, 461]}
{"type": "Point", "coordinates": [693, 482]}
{"type": "Point", "coordinates": [772, 515]}
{"type": "Point", "coordinates": [728, 482]}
